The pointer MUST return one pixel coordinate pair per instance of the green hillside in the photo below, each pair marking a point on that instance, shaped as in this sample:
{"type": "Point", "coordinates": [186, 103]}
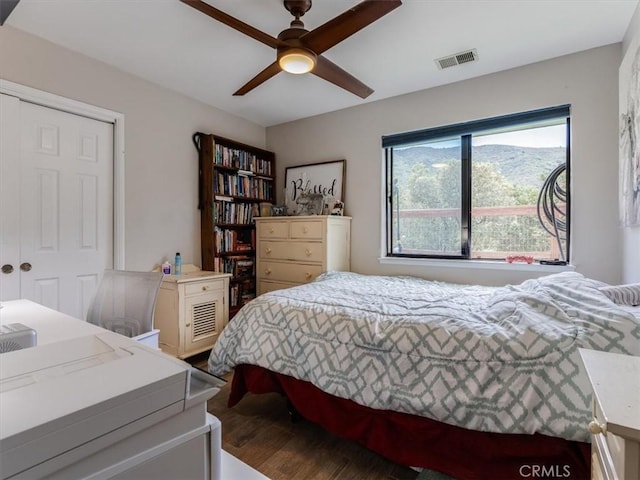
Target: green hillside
{"type": "Point", "coordinates": [525, 166]}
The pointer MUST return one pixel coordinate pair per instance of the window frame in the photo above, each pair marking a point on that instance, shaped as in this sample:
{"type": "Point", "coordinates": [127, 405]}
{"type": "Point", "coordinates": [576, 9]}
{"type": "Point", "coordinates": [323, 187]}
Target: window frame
{"type": "Point", "coordinates": [465, 132]}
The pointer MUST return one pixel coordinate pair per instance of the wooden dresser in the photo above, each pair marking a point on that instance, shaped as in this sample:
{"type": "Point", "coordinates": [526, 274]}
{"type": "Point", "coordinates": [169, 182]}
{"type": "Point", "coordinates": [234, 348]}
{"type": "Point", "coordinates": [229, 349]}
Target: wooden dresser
{"type": "Point", "coordinates": [294, 250]}
{"type": "Point", "coordinates": [615, 428]}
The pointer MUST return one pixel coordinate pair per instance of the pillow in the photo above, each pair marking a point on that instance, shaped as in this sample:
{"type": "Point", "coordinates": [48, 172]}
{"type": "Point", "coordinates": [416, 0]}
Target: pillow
{"type": "Point", "coordinates": [623, 294]}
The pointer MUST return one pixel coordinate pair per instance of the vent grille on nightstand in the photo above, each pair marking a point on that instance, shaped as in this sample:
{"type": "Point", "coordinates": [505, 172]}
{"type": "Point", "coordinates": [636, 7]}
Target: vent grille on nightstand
{"type": "Point", "coordinates": [16, 336]}
{"type": "Point", "coordinates": [204, 319]}
{"type": "Point", "coordinates": [457, 59]}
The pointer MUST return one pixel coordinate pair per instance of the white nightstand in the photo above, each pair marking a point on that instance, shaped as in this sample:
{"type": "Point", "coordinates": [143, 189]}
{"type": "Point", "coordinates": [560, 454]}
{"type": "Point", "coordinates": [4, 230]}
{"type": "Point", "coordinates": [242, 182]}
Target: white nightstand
{"type": "Point", "coordinates": [615, 428]}
{"type": "Point", "coordinates": [191, 311]}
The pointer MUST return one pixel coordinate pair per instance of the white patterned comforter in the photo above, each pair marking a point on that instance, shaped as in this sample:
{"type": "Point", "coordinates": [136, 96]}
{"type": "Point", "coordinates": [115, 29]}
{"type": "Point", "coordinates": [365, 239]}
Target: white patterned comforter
{"type": "Point", "coordinates": [498, 359]}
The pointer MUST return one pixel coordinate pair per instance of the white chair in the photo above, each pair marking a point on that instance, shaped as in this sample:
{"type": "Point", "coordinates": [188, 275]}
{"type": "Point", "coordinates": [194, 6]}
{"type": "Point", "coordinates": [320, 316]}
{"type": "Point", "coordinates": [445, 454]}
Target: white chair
{"type": "Point", "coordinates": [125, 301]}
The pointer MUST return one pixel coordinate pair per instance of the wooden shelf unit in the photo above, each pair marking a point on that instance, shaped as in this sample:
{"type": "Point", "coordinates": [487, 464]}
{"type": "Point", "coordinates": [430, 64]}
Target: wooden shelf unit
{"type": "Point", "coordinates": [234, 179]}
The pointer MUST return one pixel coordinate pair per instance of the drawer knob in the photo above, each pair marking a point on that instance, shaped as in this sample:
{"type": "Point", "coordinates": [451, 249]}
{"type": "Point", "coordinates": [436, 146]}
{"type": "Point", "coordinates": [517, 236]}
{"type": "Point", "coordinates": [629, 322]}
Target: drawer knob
{"type": "Point", "coordinates": [205, 288]}
{"type": "Point", "coordinates": [308, 252]}
{"type": "Point", "coordinates": [188, 325]}
{"type": "Point", "coordinates": [305, 230]}
{"type": "Point", "coordinates": [267, 250]}
{"type": "Point", "coordinates": [267, 271]}
{"type": "Point", "coordinates": [308, 275]}
{"type": "Point", "coordinates": [271, 230]}
{"type": "Point", "coordinates": [595, 428]}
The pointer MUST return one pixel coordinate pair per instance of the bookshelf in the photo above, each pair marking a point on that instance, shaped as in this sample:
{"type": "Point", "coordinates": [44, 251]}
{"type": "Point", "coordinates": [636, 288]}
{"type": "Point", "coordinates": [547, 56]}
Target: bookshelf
{"type": "Point", "coordinates": [234, 180]}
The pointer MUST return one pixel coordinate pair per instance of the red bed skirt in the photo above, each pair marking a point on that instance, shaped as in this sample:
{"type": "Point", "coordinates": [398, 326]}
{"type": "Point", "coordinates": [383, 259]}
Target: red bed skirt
{"type": "Point", "coordinates": [420, 442]}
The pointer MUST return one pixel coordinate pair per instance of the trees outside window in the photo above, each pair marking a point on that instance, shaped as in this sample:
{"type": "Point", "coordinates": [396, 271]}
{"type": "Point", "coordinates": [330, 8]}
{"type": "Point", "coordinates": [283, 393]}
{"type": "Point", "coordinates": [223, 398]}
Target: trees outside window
{"type": "Point", "coordinates": [481, 190]}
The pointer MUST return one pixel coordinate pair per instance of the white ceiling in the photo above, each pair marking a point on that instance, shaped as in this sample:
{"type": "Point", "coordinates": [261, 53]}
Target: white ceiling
{"type": "Point", "coordinates": [172, 44]}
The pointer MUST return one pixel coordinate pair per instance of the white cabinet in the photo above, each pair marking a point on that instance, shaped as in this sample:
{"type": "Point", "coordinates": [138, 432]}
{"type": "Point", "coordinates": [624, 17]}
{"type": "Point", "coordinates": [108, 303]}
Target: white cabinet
{"type": "Point", "coordinates": [291, 251]}
{"type": "Point", "coordinates": [615, 427]}
{"type": "Point", "coordinates": [191, 311]}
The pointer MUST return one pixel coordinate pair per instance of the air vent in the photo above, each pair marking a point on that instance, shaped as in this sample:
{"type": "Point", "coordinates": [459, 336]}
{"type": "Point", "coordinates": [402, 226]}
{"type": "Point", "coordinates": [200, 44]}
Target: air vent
{"type": "Point", "coordinates": [457, 59]}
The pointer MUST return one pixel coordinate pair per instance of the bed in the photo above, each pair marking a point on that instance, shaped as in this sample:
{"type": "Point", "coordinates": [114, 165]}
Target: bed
{"type": "Point", "coordinates": [473, 381]}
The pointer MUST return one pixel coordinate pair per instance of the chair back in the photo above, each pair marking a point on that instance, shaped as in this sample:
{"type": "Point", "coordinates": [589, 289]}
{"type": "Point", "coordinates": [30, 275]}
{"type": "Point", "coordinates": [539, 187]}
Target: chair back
{"type": "Point", "coordinates": [125, 301]}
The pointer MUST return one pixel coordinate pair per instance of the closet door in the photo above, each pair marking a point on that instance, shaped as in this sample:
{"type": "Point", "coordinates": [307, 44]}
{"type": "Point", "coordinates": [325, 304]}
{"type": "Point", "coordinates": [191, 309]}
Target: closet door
{"type": "Point", "coordinates": [58, 206]}
{"type": "Point", "coordinates": [9, 197]}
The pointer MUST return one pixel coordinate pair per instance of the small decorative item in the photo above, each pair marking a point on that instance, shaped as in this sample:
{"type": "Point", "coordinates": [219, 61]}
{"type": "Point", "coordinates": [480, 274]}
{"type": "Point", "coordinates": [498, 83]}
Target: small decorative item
{"type": "Point", "coordinates": [265, 209]}
{"type": "Point", "coordinates": [309, 204]}
{"type": "Point", "coordinates": [338, 209]}
{"type": "Point", "coordinates": [278, 210]}
{"type": "Point", "coordinates": [325, 179]}
{"type": "Point", "coordinates": [329, 201]}
{"type": "Point", "coordinates": [519, 258]}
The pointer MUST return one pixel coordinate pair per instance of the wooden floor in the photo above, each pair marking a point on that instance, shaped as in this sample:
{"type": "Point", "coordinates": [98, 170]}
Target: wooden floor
{"type": "Point", "coordinates": [260, 432]}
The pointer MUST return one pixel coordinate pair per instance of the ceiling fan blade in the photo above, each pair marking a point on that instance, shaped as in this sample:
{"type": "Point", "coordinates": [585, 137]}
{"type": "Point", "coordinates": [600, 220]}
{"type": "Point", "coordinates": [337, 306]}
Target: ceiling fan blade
{"type": "Point", "coordinates": [334, 31]}
{"type": "Point", "coordinates": [234, 23]}
{"type": "Point", "coordinates": [6, 7]}
{"type": "Point", "coordinates": [330, 72]}
{"type": "Point", "coordinates": [260, 78]}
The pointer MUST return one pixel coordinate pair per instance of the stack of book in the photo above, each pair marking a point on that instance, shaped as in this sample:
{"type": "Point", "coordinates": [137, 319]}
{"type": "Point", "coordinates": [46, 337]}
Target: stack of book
{"type": "Point", "coordinates": [241, 159]}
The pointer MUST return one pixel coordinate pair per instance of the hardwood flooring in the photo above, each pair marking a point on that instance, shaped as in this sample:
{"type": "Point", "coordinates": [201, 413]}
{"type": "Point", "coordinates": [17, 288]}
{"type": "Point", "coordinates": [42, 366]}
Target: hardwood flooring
{"type": "Point", "coordinates": [260, 432]}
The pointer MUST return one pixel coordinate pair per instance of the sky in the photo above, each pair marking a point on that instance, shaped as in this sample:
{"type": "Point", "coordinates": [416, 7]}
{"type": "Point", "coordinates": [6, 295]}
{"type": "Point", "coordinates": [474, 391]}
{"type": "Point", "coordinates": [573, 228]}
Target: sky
{"type": "Point", "coordinates": [541, 137]}
{"type": "Point", "coordinates": [552, 136]}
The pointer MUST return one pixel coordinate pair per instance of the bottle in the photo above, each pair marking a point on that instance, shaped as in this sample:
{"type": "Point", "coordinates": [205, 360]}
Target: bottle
{"type": "Point", "coordinates": [166, 267]}
{"type": "Point", "coordinates": [177, 269]}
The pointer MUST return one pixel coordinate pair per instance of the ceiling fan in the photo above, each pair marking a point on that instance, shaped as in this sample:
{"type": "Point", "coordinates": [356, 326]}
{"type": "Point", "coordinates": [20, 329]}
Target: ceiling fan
{"type": "Point", "coordinates": [300, 50]}
{"type": "Point", "coordinates": [6, 7]}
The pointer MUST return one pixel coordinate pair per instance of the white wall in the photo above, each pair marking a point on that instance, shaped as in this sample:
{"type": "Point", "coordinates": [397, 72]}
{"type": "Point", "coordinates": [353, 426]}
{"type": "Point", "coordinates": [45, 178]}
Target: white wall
{"type": "Point", "coordinates": [586, 80]}
{"type": "Point", "coordinates": [161, 161]}
{"type": "Point", "coordinates": [631, 236]}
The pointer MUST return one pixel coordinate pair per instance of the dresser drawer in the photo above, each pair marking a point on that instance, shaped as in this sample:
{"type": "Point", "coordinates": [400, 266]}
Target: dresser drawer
{"type": "Point", "coordinates": [273, 229]}
{"type": "Point", "coordinates": [298, 251]}
{"type": "Point", "coordinates": [288, 272]}
{"type": "Point", "coordinates": [266, 286]}
{"type": "Point", "coordinates": [311, 230]}
{"type": "Point", "coordinates": [195, 288]}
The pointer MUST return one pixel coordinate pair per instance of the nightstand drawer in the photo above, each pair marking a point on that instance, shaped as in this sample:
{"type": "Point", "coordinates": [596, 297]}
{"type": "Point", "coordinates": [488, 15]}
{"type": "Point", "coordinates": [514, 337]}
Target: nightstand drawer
{"type": "Point", "coordinates": [273, 230]}
{"type": "Point", "coordinates": [195, 288]}
{"type": "Point", "coordinates": [298, 251]}
{"type": "Point", "coordinates": [311, 229]}
{"type": "Point", "coordinates": [289, 272]}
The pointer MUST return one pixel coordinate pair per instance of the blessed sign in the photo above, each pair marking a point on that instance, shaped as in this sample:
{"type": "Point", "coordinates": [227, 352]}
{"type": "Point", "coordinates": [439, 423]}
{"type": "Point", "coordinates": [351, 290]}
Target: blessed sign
{"type": "Point", "coordinates": [326, 178]}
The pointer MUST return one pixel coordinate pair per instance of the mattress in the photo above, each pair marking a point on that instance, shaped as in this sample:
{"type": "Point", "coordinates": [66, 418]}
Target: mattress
{"type": "Point", "coordinates": [495, 359]}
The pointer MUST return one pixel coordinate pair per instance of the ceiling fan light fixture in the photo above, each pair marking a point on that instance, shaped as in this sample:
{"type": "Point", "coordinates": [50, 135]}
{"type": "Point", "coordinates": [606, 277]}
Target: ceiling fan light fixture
{"type": "Point", "coordinates": [297, 60]}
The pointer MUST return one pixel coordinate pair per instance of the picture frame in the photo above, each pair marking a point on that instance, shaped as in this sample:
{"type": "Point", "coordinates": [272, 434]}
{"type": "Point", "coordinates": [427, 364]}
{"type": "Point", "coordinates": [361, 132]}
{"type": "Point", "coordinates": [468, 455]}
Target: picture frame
{"type": "Point", "coordinates": [337, 209]}
{"type": "Point", "coordinates": [629, 147]}
{"type": "Point", "coordinates": [324, 178]}
{"type": "Point", "coordinates": [278, 210]}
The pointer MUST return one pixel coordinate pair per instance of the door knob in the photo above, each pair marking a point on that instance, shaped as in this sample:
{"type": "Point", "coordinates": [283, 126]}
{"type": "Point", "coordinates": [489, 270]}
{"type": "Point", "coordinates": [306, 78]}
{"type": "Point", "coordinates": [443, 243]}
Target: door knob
{"type": "Point", "coordinates": [25, 267]}
{"type": "Point", "coordinates": [6, 268]}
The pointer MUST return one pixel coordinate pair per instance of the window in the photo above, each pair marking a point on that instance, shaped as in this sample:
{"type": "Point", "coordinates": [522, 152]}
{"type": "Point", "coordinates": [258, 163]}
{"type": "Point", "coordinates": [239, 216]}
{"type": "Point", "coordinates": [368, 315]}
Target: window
{"type": "Point", "coordinates": [485, 190]}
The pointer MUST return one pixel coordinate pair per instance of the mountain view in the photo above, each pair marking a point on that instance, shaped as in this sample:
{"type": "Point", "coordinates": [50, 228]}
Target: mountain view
{"type": "Point", "coordinates": [525, 166]}
{"type": "Point", "coordinates": [506, 182]}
